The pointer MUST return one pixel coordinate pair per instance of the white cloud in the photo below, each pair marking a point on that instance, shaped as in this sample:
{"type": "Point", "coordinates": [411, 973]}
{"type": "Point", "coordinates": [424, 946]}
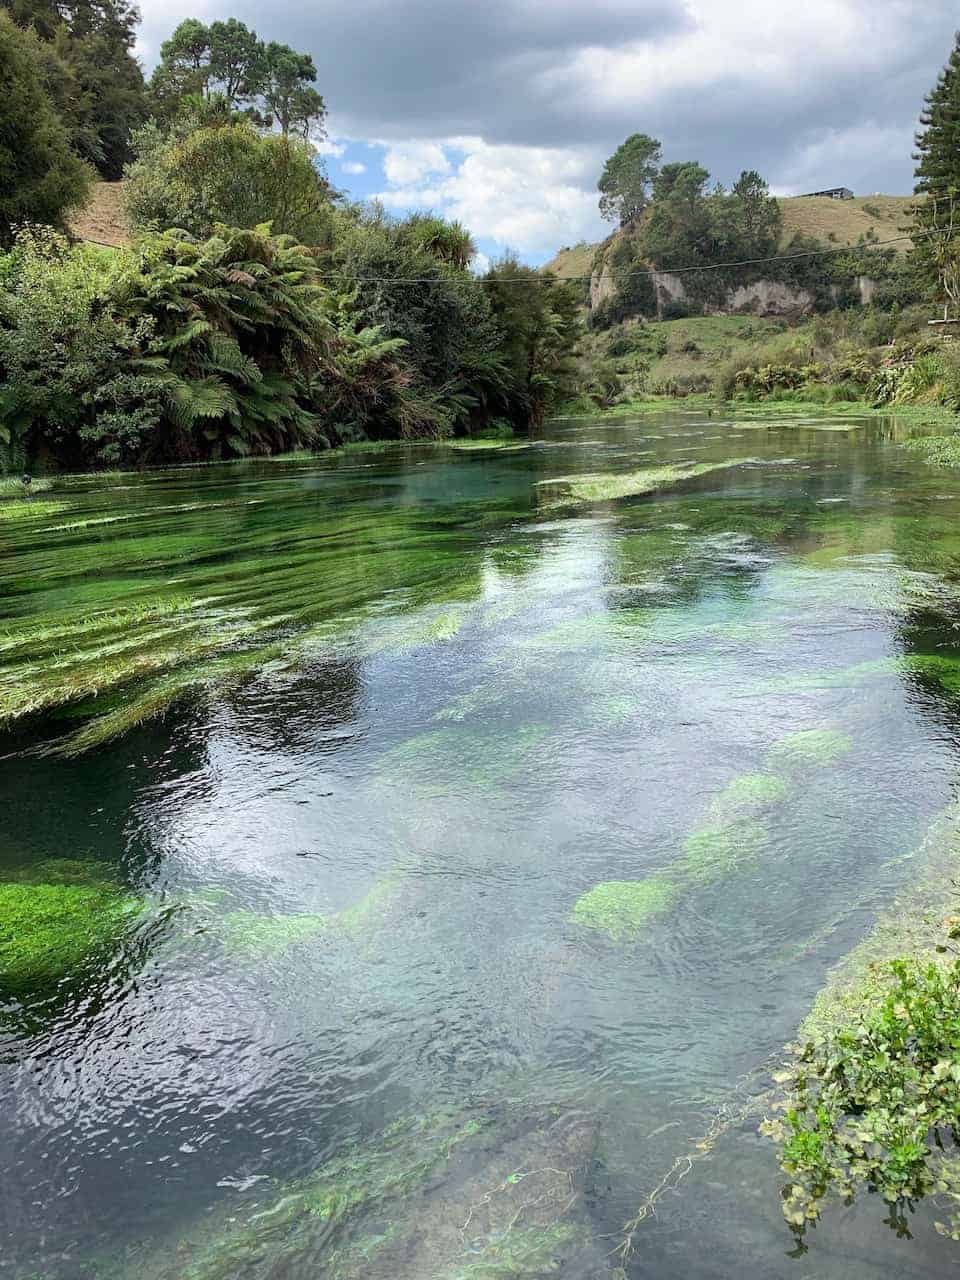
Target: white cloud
{"type": "Point", "coordinates": [353, 166]}
{"type": "Point", "coordinates": [330, 147]}
{"type": "Point", "coordinates": [411, 162]}
{"type": "Point", "coordinates": [525, 198]}
{"type": "Point", "coordinates": [480, 264]}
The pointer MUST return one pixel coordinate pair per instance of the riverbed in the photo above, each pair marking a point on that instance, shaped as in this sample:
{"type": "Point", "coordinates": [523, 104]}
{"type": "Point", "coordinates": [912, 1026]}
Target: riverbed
{"type": "Point", "coordinates": [381, 746]}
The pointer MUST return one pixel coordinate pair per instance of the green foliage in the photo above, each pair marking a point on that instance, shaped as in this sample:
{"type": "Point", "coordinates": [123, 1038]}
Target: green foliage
{"type": "Point", "coordinates": [228, 60]}
{"type": "Point", "coordinates": [624, 185]}
{"type": "Point", "coordinates": [90, 72]}
{"type": "Point", "coordinates": [50, 932]}
{"type": "Point", "coordinates": [41, 180]}
{"type": "Point", "coordinates": [872, 1102]}
{"type": "Point", "coordinates": [537, 319]}
{"type": "Point", "coordinates": [196, 178]}
{"type": "Point", "coordinates": [74, 370]}
{"type": "Point", "coordinates": [938, 182]}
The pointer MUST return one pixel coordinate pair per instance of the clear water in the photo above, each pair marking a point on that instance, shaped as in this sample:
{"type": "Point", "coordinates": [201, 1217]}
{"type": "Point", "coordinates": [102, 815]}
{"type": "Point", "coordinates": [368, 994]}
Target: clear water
{"type": "Point", "coordinates": [528, 701]}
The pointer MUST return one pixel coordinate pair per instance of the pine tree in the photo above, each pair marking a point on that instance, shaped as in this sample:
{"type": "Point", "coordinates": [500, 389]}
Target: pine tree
{"type": "Point", "coordinates": [938, 178]}
{"type": "Point", "coordinates": [938, 142]}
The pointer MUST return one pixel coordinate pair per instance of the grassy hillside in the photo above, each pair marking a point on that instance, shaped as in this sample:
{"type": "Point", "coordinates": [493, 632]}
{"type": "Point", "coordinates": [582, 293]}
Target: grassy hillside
{"type": "Point", "coordinates": [842, 222]}
{"type": "Point", "coordinates": [834, 222]}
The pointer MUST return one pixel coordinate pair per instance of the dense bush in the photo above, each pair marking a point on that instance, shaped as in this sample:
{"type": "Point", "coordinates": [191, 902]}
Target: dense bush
{"type": "Point", "coordinates": [41, 179]}
{"type": "Point", "coordinates": [242, 343]}
{"type": "Point", "coordinates": [226, 172]}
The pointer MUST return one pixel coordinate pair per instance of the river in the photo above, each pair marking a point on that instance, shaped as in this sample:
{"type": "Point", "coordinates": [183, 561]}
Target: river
{"type": "Point", "coordinates": [372, 1016]}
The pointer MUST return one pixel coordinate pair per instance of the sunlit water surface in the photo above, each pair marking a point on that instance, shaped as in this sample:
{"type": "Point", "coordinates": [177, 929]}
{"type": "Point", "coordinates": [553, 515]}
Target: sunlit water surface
{"type": "Point", "coordinates": [532, 700]}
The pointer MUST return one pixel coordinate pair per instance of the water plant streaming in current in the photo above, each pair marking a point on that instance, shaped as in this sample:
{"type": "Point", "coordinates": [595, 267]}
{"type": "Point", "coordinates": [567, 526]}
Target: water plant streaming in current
{"type": "Point", "coordinates": [415, 862]}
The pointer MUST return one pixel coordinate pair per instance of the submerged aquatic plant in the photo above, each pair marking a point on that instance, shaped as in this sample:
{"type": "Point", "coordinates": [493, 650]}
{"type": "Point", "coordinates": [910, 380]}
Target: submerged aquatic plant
{"type": "Point", "coordinates": [623, 908]}
{"type": "Point", "coordinates": [711, 852]}
{"type": "Point", "coordinates": [606, 487]}
{"type": "Point", "coordinates": [810, 747]}
{"type": "Point", "coordinates": [50, 932]}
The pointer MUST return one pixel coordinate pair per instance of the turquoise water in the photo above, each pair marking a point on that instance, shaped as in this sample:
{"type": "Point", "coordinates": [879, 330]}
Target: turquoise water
{"type": "Point", "coordinates": [463, 707]}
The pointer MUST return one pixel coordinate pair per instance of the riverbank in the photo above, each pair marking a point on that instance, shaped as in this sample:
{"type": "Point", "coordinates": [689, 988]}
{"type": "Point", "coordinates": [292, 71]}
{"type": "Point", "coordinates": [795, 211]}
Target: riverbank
{"type": "Point", "coordinates": [706, 402]}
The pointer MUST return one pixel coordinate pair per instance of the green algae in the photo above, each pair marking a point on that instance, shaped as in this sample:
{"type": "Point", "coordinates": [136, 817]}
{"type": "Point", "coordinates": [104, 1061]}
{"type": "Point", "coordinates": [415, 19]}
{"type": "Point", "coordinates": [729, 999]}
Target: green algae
{"type": "Point", "coordinates": [365, 917]}
{"type": "Point", "coordinates": [30, 508]}
{"type": "Point", "coordinates": [458, 1194]}
{"type": "Point", "coordinates": [750, 793]}
{"type": "Point", "coordinates": [325, 1206]}
{"type": "Point", "coordinates": [263, 936]}
{"type": "Point", "coordinates": [731, 837]}
{"type": "Point", "coordinates": [810, 747]}
{"type": "Point", "coordinates": [521, 1251]}
{"type": "Point", "coordinates": [50, 932]}
{"type": "Point", "coordinates": [711, 852]}
{"type": "Point", "coordinates": [456, 757]}
{"type": "Point", "coordinates": [622, 909]}
{"type": "Point", "coordinates": [605, 487]}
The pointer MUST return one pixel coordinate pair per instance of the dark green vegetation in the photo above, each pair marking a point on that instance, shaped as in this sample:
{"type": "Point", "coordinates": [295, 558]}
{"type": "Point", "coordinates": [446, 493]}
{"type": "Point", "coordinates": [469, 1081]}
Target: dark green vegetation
{"type": "Point", "coordinates": [92, 83]}
{"type": "Point", "coordinates": [236, 345]}
{"type": "Point", "coordinates": [40, 177]}
{"type": "Point", "coordinates": [257, 311]}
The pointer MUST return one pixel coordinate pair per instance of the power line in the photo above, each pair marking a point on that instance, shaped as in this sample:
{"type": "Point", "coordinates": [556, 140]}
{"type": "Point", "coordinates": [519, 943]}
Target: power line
{"type": "Point", "coordinates": [630, 275]}
{"type": "Point", "coordinates": [659, 271]}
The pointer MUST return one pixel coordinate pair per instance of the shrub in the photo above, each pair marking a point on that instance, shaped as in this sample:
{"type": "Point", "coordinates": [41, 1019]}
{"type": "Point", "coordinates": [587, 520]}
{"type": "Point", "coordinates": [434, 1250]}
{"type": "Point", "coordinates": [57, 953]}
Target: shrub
{"type": "Point", "coordinates": [197, 178]}
{"type": "Point", "coordinates": [74, 370]}
{"type": "Point", "coordinates": [874, 1105]}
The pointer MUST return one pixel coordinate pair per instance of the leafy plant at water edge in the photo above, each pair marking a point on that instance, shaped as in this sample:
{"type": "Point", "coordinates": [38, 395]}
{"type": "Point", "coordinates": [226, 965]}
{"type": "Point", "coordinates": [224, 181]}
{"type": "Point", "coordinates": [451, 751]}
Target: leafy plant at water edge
{"type": "Point", "coordinates": [875, 1104]}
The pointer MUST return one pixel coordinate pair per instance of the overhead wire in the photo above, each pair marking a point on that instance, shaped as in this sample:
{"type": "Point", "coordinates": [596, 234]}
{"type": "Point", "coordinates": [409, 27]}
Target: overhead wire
{"type": "Point", "coordinates": [869, 247]}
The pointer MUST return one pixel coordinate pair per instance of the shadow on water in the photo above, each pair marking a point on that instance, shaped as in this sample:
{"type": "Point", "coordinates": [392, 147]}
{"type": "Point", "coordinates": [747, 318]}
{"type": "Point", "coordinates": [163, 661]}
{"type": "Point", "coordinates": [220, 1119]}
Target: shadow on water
{"type": "Point", "coordinates": [459, 909]}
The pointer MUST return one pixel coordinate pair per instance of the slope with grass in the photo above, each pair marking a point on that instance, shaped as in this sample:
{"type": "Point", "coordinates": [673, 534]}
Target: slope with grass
{"type": "Point", "coordinates": [837, 223]}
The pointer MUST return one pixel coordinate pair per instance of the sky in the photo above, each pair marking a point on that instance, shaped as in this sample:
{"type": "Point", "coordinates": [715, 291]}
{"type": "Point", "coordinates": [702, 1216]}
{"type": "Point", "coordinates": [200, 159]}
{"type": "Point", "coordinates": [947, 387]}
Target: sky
{"type": "Point", "coordinates": [502, 113]}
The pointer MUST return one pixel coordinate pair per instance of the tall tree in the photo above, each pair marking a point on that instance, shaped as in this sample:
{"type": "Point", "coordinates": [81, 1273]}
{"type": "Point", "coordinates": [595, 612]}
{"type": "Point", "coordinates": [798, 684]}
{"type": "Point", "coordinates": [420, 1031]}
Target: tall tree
{"type": "Point", "coordinates": [291, 101]}
{"type": "Point", "coordinates": [236, 60]}
{"type": "Point", "coordinates": [627, 176]}
{"type": "Point", "coordinates": [41, 179]}
{"type": "Point", "coordinates": [938, 179]}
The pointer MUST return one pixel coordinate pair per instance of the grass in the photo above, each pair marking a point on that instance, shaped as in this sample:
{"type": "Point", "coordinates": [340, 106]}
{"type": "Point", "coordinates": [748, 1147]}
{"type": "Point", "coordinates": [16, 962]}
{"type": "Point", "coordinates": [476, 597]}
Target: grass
{"type": "Point", "coordinates": [843, 222]}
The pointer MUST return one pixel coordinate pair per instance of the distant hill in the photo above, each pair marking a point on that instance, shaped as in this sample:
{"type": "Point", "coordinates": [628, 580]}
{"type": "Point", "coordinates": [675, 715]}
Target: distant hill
{"type": "Point", "coordinates": [834, 222]}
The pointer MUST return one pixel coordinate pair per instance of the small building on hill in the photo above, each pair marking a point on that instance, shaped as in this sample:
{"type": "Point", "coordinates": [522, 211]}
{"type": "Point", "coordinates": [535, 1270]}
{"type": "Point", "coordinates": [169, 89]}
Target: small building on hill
{"type": "Point", "coordinates": [832, 193]}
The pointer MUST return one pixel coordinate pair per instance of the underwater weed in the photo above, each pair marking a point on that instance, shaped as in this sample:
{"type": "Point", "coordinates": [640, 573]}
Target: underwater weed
{"type": "Point", "coordinates": [49, 932]}
{"type": "Point", "coordinates": [810, 747]}
{"type": "Point", "coordinates": [623, 908]}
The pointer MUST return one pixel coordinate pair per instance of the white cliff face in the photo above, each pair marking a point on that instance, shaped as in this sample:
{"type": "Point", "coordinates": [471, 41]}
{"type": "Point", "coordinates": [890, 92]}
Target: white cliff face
{"type": "Point", "coordinates": [767, 298]}
{"type": "Point", "coordinates": [602, 287]}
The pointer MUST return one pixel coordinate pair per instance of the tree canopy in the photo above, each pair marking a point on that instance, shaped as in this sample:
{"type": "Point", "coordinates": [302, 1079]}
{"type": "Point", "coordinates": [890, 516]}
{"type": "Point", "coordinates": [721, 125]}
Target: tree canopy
{"type": "Point", "coordinates": [938, 180]}
{"type": "Point", "coordinates": [273, 83]}
{"type": "Point", "coordinates": [627, 176]}
{"type": "Point", "coordinates": [93, 78]}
